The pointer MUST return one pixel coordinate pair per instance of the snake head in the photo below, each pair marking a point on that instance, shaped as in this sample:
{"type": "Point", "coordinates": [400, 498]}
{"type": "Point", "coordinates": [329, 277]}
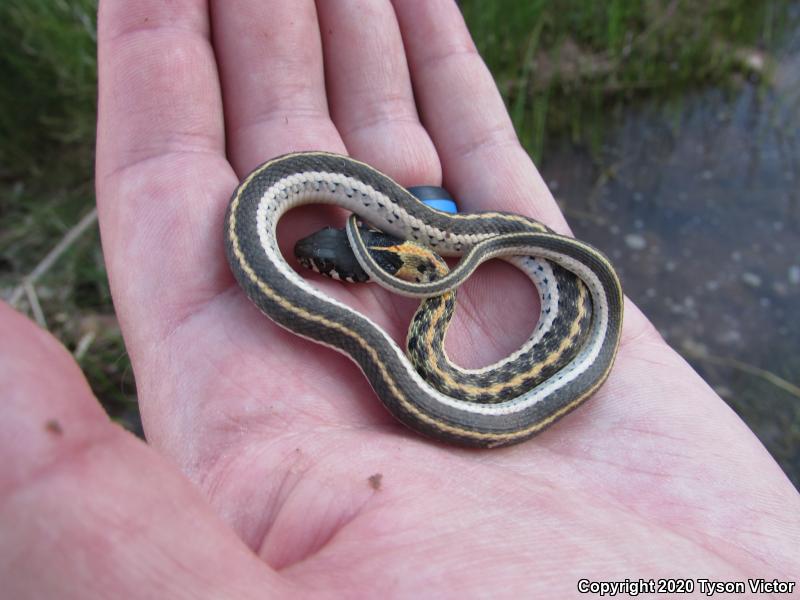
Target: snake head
{"type": "Point", "coordinates": [328, 252]}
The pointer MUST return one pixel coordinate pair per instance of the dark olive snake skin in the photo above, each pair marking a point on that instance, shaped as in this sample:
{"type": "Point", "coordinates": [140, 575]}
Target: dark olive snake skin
{"type": "Point", "coordinates": [531, 404]}
{"type": "Point", "coordinates": [554, 342]}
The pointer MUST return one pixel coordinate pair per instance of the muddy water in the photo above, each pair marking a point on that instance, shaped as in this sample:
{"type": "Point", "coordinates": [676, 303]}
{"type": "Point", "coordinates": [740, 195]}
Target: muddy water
{"type": "Point", "coordinates": [698, 203]}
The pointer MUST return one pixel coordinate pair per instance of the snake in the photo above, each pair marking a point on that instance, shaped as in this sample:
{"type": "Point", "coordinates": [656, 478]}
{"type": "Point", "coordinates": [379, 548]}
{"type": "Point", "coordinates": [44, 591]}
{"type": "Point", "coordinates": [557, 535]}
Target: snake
{"type": "Point", "coordinates": [505, 403]}
{"type": "Point", "coordinates": [563, 321]}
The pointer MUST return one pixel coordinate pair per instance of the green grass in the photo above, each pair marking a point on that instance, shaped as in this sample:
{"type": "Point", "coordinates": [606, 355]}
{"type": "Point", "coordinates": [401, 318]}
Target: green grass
{"type": "Point", "coordinates": [563, 66]}
{"type": "Point", "coordinates": [47, 124]}
{"type": "Point", "coordinates": [48, 69]}
{"type": "Point", "coordinates": [558, 64]}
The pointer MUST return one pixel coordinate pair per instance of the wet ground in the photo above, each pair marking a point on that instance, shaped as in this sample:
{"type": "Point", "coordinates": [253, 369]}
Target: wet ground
{"type": "Point", "coordinates": [698, 203]}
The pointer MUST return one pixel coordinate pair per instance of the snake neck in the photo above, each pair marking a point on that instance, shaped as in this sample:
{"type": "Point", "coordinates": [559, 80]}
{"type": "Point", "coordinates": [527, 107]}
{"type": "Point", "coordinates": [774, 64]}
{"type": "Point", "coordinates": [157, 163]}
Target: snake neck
{"type": "Point", "coordinates": [328, 252]}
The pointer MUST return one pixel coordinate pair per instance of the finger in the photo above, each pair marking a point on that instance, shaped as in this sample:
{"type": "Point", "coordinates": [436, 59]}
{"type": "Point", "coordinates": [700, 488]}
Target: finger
{"type": "Point", "coordinates": [482, 160]}
{"type": "Point", "coordinates": [77, 492]}
{"type": "Point", "coordinates": [162, 177]}
{"type": "Point", "coordinates": [270, 61]}
{"type": "Point", "coordinates": [158, 86]}
{"type": "Point", "coordinates": [483, 166]}
{"type": "Point", "coordinates": [369, 90]}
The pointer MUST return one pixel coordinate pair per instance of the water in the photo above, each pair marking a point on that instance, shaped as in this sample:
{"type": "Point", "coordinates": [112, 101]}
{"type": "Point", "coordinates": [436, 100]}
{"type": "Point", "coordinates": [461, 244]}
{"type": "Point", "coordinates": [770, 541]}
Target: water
{"type": "Point", "coordinates": [698, 204]}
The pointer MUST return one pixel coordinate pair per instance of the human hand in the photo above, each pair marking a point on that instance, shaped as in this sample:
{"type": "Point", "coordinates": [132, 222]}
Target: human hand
{"type": "Point", "coordinates": [272, 467]}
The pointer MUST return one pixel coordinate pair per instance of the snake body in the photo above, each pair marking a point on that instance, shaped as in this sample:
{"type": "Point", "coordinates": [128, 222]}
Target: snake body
{"type": "Point", "coordinates": [538, 396]}
{"type": "Point", "coordinates": [564, 318]}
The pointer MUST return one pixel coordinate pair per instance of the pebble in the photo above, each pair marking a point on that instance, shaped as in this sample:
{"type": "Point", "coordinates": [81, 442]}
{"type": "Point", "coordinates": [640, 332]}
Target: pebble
{"type": "Point", "coordinates": [751, 279]}
{"type": "Point", "coordinates": [634, 241]}
{"type": "Point", "coordinates": [794, 274]}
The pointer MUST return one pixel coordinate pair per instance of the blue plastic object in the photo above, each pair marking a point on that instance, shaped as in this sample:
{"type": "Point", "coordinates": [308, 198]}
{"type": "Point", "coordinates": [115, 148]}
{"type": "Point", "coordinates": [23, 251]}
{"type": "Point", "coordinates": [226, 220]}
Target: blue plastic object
{"type": "Point", "coordinates": [435, 197]}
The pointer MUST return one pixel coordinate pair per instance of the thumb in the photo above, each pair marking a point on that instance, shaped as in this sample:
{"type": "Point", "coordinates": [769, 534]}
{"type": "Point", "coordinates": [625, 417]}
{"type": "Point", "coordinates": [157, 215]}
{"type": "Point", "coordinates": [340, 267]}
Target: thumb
{"type": "Point", "coordinates": [86, 509]}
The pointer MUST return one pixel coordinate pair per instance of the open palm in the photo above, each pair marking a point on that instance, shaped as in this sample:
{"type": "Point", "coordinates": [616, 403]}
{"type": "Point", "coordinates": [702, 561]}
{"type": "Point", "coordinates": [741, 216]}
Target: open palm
{"type": "Point", "coordinates": [272, 466]}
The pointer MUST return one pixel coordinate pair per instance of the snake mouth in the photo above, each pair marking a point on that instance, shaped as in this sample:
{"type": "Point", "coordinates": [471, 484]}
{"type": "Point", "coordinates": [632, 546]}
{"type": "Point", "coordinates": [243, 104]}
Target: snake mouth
{"type": "Point", "coordinates": [306, 263]}
{"type": "Point", "coordinates": [328, 252]}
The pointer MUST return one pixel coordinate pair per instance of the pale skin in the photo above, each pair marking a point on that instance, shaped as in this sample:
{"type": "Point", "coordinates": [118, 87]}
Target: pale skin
{"type": "Point", "coordinates": [260, 476]}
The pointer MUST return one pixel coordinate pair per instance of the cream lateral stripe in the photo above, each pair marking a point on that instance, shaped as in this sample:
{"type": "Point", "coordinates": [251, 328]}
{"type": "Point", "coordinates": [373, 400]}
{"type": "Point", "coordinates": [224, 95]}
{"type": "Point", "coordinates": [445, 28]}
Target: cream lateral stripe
{"type": "Point", "coordinates": [548, 310]}
{"type": "Point", "coordinates": [266, 228]}
{"type": "Point", "coordinates": [415, 290]}
{"type": "Point", "coordinates": [537, 271]}
{"type": "Point", "coordinates": [519, 403]}
{"type": "Point", "coordinates": [385, 374]}
{"type": "Point", "coordinates": [303, 178]}
{"type": "Point", "coordinates": [289, 272]}
{"type": "Point", "coordinates": [469, 262]}
{"type": "Point", "coordinates": [522, 433]}
{"type": "Point", "coordinates": [534, 371]}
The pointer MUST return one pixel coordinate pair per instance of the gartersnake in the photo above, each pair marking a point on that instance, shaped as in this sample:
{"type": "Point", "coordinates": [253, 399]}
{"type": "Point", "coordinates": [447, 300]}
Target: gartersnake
{"type": "Point", "coordinates": [289, 300]}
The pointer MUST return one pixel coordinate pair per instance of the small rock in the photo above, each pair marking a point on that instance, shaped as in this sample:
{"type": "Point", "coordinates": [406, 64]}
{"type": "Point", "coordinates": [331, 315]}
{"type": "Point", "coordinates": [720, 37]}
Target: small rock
{"type": "Point", "coordinates": [794, 274]}
{"type": "Point", "coordinates": [634, 241]}
{"type": "Point", "coordinates": [751, 279]}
